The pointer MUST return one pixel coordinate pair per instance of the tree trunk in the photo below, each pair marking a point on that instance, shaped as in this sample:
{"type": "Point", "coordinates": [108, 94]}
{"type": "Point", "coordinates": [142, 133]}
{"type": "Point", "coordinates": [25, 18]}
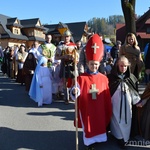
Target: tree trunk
{"type": "Point", "coordinates": [128, 7]}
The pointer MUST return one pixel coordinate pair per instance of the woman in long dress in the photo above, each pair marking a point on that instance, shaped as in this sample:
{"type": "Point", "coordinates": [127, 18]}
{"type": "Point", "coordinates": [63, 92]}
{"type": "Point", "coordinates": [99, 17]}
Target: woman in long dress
{"type": "Point", "coordinates": [41, 85]}
{"type": "Point", "coordinates": [28, 69]}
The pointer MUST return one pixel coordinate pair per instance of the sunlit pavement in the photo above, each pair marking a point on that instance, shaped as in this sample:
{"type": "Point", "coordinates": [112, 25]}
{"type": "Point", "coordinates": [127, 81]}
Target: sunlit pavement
{"type": "Point", "coordinates": [25, 126]}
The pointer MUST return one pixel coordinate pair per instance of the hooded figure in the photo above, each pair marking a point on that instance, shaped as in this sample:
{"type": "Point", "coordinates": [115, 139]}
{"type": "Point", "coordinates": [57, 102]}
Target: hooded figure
{"type": "Point", "coordinates": [41, 85]}
{"type": "Point", "coordinates": [28, 69]}
{"type": "Point", "coordinates": [124, 97]}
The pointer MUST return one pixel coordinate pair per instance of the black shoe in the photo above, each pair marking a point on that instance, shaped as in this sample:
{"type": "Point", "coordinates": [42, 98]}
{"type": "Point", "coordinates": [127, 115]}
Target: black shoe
{"type": "Point", "coordinates": [89, 148]}
{"type": "Point", "coordinates": [54, 96]}
{"type": "Point", "coordinates": [66, 102]}
{"type": "Point", "coordinates": [121, 143]}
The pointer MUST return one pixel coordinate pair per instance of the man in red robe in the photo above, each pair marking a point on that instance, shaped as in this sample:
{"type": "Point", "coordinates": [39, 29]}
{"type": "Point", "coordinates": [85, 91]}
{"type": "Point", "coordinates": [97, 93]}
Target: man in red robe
{"type": "Point", "coordinates": [94, 101]}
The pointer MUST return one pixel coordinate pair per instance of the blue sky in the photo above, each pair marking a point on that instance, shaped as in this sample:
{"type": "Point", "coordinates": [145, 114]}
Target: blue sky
{"type": "Point", "coordinates": [66, 11]}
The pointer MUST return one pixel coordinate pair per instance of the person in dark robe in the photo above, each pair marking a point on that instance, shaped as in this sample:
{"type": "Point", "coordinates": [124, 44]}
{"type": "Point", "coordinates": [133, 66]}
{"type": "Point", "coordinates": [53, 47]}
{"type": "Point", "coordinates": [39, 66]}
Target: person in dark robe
{"type": "Point", "coordinates": [4, 66]}
{"type": "Point", "coordinates": [114, 52]}
{"type": "Point", "coordinates": [124, 96]}
{"type": "Point", "coordinates": [28, 69]}
{"type": "Point", "coordinates": [145, 115]}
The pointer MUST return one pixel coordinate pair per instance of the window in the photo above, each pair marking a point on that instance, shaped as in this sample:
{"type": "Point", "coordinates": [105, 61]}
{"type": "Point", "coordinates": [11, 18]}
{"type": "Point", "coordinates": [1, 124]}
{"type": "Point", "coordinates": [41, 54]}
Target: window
{"type": "Point", "coordinates": [148, 30]}
{"type": "Point", "coordinates": [16, 31]}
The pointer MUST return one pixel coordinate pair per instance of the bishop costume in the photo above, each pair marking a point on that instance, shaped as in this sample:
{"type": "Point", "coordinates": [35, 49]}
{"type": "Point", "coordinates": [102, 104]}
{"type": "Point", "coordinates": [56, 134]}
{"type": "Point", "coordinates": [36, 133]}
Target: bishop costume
{"type": "Point", "coordinates": [94, 101]}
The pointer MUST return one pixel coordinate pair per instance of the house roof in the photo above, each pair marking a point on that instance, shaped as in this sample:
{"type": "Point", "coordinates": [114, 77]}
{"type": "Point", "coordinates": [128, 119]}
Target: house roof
{"type": "Point", "coordinates": [6, 22]}
{"type": "Point", "coordinates": [29, 23]}
{"type": "Point", "coordinates": [143, 35]}
{"type": "Point", "coordinates": [11, 22]}
{"type": "Point", "coordinates": [9, 34]}
{"type": "Point", "coordinates": [55, 31]}
{"type": "Point", "coordinates": [142, 30]}
{"type": "Point", "coordinates": [143, 18]}
{"type": "Point", "coordinates": [147, 21]}
{"type": "Point", "coordinates": [77, 28]}
{"type": "Point", "coordinates": [52, 29]}
{"type": "Point", "coordinates": [143, 21]}
{"type": "Point", "coordinates": [33, 38]}
{"type": "Point", "coordinates": [120, 32]}
{"type": "Point", "coordinates": [141, 25]}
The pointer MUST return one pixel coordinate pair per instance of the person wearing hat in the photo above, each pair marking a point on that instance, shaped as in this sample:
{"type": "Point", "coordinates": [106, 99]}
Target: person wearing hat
{"type": "Point", "coordinates": [94, 100]}
{"type": "Point", "coordinates": [65, 52]}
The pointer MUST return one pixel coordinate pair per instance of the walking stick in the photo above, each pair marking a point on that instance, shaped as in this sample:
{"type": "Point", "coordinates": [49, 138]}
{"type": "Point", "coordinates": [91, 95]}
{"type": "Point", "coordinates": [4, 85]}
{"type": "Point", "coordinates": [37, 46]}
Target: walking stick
{"type": "Point", "coordinates": [76, 101]}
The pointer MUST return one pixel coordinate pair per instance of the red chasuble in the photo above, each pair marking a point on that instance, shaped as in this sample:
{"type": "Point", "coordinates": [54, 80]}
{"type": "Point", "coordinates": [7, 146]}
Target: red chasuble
{"type": "Point", "coordinates": [94, 104]}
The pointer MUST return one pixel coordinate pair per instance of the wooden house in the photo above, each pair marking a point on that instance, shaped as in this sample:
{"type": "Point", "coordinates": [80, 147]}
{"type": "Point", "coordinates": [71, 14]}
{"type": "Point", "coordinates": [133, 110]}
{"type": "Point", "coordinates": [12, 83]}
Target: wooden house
{"type": "Point", "coordinates": [142, 30]}
{"type": "Point", "coordinates": [79, 30]}
{"type": "Point", "coordinates": [14, 31]}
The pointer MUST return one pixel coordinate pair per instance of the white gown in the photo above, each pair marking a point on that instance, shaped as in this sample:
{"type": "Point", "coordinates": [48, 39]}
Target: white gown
{"type": "Point", "coordinates": [44, 80]}
{"type": "Point", "coordinates": [121, 121]}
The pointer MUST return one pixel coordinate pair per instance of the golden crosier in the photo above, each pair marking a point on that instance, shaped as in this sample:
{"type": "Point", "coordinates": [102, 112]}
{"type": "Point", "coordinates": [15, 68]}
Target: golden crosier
{"type": "Point", "coordinates": [72, 51]}
{"type": "Point", "coordinates": [20, 57]}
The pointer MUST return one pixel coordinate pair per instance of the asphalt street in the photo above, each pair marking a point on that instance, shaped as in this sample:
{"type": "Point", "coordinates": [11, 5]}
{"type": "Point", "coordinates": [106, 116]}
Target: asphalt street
{"type": "Point", "coordinates": [25, 126]}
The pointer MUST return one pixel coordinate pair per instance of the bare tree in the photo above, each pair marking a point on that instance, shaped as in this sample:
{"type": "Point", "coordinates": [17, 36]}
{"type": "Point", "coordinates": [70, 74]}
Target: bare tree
{"type": "Point", "coordinates": [128, 7]}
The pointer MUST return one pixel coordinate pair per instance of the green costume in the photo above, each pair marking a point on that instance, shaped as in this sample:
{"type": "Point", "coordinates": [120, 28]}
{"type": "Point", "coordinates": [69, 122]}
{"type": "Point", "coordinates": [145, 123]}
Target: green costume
{"type": "Point", "coordinates": [48, 50]}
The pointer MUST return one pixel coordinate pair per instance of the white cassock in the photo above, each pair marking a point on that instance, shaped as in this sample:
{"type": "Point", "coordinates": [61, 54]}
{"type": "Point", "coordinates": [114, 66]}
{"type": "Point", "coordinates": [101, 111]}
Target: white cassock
{"type": "Point", "coordinates": [122, 113]}
{"type": "Point", "coordinates": [44, 80]}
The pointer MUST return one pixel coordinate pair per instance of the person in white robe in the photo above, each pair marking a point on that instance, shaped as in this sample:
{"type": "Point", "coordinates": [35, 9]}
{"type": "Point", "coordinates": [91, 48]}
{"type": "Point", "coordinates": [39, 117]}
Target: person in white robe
{"type": "Point", "coordinates": [35, 51]}
{"type": "Point", "coordinates": [123, 95]}
{"type": "Point", "coordinates": [57, 82]}
{"type": "Point", "coordinates": [41, 85]}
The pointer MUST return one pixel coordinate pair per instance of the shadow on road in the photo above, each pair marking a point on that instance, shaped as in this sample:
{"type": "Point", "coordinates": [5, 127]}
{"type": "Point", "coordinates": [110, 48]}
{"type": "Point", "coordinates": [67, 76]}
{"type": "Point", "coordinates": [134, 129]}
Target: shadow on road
{"type": "Point", "coordinates": [36, 140]}
{"type": "Point", "coordinates": [9, 89]}
{"type": "Point", "coordinates": [48, 140]}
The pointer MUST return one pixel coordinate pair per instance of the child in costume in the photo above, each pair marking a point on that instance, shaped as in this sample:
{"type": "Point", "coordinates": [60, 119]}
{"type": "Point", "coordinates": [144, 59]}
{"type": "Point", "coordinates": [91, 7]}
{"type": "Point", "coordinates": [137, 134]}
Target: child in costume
{"type": "Point", "coordinates": [57, 83]}
{"type": "Point", "coordinates": [122, 85]}
{"type": "Point", "coordinates": [41, 85]}
{"type": "Point", "coordinates": [94, 100]}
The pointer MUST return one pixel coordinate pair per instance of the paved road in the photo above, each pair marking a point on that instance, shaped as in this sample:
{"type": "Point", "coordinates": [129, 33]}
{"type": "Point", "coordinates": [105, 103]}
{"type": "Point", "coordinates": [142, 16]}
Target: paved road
{"type": "Point", "coordinates": [25, 126]}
